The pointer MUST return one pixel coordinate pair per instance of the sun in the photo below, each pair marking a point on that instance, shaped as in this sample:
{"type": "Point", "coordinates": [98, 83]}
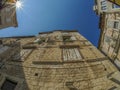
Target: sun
{"type": "Point", "coordinates": [18, 5]}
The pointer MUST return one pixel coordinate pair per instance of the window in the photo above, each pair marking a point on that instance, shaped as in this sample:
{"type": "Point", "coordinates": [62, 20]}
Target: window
{"type": "Point", "coordinates": [103, 5]}
{"type": "Point", "coordinates": [67, 38]}
{"type": "Point", "coordinates": [103, 2]}
{"type": "Point", "coordinates": [115, 6]}
{"type": "Point", "coordinates": [8, 85]}
{"type": "Point", "coordinates": [71, 54]}
{"type": "Point", "coordinates": [116, 24]}
{"type": "Point", "coordinates": [113, 24]}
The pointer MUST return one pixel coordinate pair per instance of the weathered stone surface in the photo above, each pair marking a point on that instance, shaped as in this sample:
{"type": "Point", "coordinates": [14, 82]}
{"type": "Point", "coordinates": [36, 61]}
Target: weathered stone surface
{"type": "Point", "coordinates": [50, 72]}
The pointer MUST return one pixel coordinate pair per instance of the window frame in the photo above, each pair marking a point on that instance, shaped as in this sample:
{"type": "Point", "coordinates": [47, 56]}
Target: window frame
{"type": "Point", "coordinates": [19, 81]}
{"type": "Point", "coordinates": [71, 47]}
{"type": "Point", "coordinates": [111, 24]}
{"type": "Point", "coordinates": [114, 6]}
{"type": "Point", "coordinates": [103, 2]}
{"type": "Point", "coordinates": [103, 5]}
{"type": "Point", "coordinates": [10, 81]}
{"type": "Point", "coordinates": [116, 25]}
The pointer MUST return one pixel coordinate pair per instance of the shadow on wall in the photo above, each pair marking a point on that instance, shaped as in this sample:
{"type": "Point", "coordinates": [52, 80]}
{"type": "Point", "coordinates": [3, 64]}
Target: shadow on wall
{"type": "Point", "coordinates": [12, 76]}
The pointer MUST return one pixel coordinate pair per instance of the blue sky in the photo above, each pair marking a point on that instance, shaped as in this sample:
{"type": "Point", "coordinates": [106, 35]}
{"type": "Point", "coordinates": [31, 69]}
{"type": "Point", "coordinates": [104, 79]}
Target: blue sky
{"type": "Point", "coordinates": [46, 15]}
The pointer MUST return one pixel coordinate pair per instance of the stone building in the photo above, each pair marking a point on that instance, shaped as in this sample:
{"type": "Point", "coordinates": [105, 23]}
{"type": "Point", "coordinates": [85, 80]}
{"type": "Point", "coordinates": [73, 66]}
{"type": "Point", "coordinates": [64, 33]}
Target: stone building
{"type": "Point", "coordinates": [7, 14]}
{"type": "Point", "coordinates": [109, 24]}
{"type": "Point", "coordinates": [109, 42]}
{"type": "Point", "coordinates": [105, 6]}
{"type": "Point", "coordinates": [56, 60]}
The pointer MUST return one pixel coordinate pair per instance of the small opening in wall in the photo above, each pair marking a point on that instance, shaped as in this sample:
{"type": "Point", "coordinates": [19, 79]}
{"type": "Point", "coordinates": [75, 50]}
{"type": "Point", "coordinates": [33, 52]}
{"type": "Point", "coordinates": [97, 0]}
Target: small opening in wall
{"type": "Point", "coordinates": [105, 69]}
{"type": "Point", "coordinates": [36, 74]}
{"type": "Point", "coordinates": [8, 85]}
{"type": "Point", "coordinates": [70, 86]}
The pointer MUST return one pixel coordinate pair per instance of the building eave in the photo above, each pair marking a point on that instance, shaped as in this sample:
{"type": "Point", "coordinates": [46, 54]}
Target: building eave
{"type": "Point", "coordinates": [58, 30]}
{"type": "Point", "coordinates": [30, 36]}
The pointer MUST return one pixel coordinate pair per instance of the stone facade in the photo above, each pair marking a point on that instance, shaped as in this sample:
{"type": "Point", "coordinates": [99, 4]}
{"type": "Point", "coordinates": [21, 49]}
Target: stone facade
{"type": "Point", "coordinates": [109, 24]}
{"type": "Point", "coordinates": [110, 36]}
{"type": "Point", "coordinates": [57, 60]}
{"type": "Point", "coordinates": [8, 14]}
{"type": "Point", "coordinates": [105, 6]}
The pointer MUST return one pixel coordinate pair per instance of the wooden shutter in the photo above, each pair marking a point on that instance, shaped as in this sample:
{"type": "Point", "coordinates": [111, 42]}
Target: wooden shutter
{"type": "Point", "coordinates": [71, 54]}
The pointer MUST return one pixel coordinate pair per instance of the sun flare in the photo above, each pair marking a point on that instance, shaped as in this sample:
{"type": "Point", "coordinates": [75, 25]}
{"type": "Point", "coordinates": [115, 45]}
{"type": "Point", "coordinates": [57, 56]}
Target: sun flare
{"type": "Point", "coordinates": [19, 5]}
